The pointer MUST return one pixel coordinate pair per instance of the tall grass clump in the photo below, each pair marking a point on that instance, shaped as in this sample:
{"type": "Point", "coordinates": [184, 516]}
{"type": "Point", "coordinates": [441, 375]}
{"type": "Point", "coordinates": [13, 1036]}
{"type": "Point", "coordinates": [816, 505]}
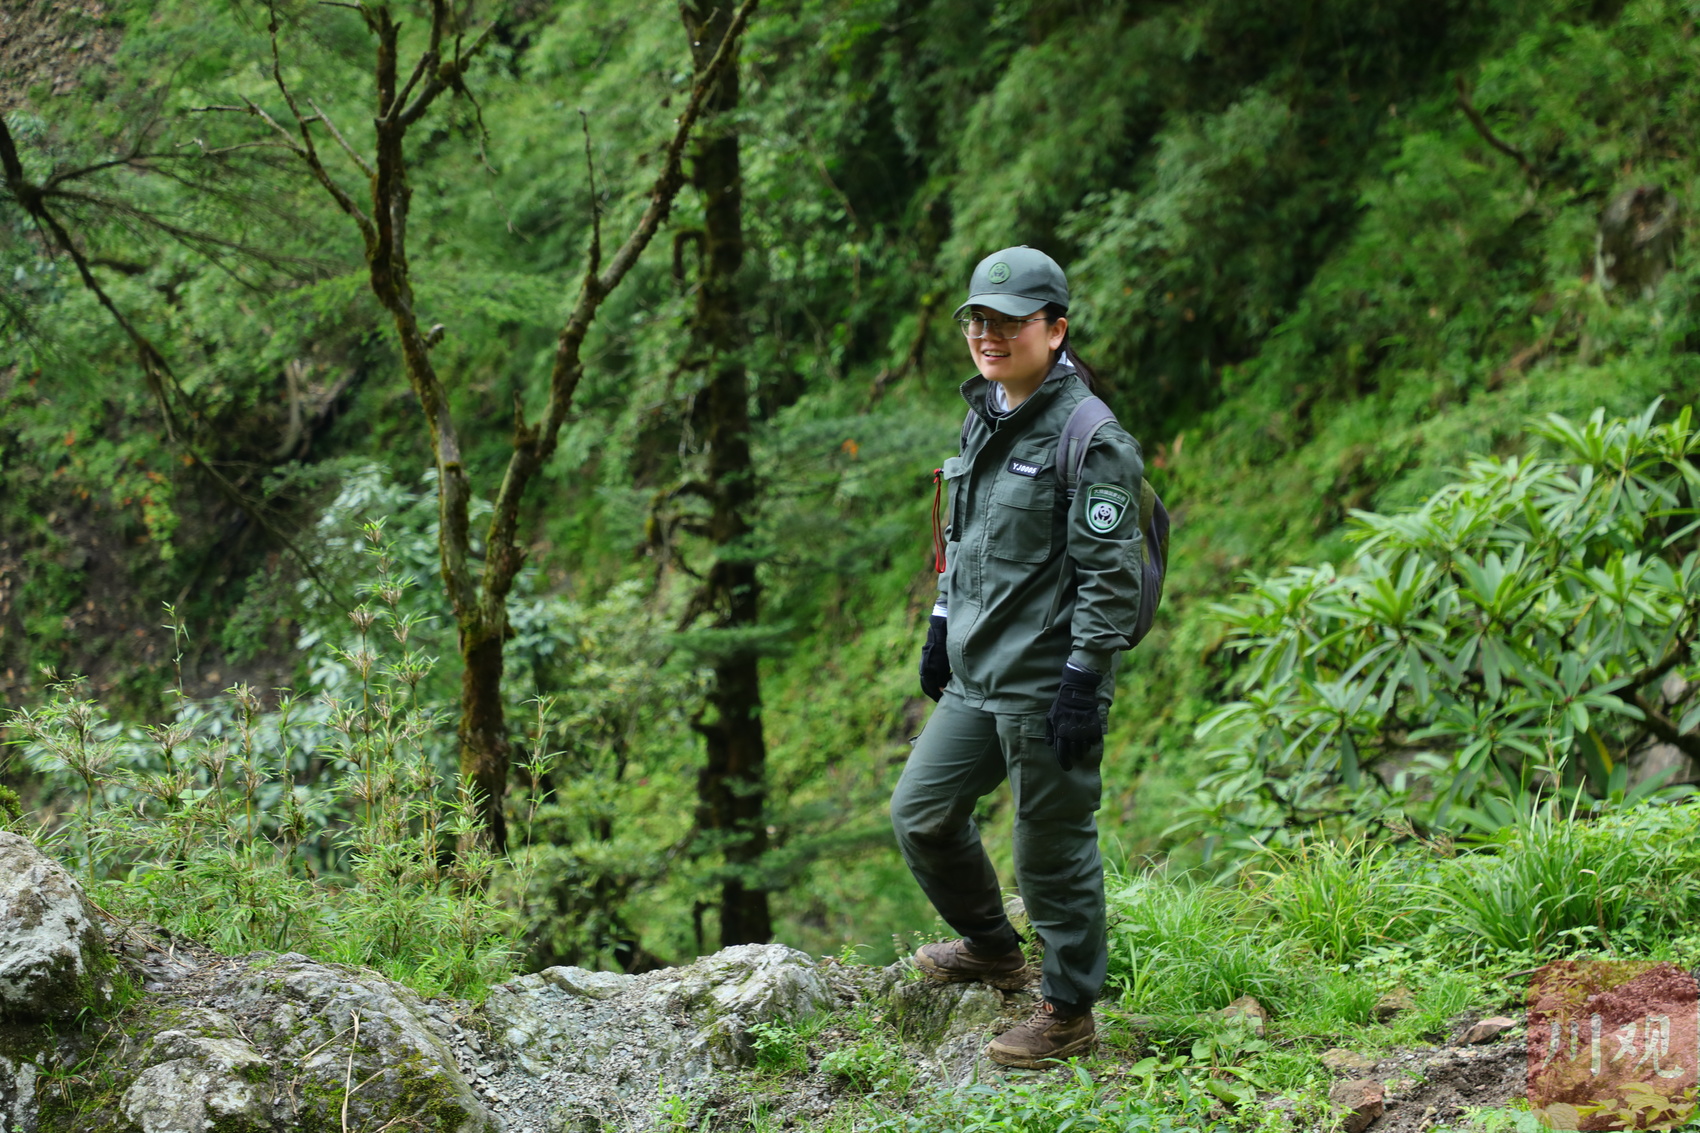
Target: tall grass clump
{"type": "Point", "coordinates": [324, 825]}
{"type": "Point", "coordinates": [1552, 883]}
{"type": "Point", "coordinates": [1179, 946]}
{"type": "Point", "coordinates": [1341, 898]}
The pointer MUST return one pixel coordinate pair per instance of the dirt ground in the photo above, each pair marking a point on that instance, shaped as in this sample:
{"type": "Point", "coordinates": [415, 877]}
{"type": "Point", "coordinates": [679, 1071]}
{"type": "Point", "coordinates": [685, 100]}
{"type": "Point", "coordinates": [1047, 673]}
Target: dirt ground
{"type": "Point", "coordinates": [48, 43]}
{"type": "Point", "coordinates": [1443, 1081]}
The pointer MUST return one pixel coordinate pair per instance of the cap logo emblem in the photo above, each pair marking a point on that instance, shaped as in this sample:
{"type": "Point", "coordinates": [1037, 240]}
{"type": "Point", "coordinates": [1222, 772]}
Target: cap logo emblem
{"type": "Point", "coordinates": [999, 272]}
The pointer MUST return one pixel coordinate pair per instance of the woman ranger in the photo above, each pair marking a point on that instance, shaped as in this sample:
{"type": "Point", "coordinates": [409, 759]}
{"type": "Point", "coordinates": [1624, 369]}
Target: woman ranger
{"type": "Point", "coordinates": [1038, 593]}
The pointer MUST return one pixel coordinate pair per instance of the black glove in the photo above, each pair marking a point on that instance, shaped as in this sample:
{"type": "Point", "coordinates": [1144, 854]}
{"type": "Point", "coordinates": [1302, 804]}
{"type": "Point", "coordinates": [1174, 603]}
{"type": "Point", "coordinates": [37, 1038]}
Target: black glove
{"type": "Point", "coordinates": [1073, 725]}
{"type": "Point", "coordinates": [935, 662]}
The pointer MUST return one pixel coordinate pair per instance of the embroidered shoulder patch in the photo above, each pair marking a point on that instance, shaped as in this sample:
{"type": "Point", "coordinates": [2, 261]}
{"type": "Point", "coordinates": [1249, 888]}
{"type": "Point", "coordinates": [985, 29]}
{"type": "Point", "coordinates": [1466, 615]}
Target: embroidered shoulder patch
{"type": "Point", "coordinates": [1105, 506]}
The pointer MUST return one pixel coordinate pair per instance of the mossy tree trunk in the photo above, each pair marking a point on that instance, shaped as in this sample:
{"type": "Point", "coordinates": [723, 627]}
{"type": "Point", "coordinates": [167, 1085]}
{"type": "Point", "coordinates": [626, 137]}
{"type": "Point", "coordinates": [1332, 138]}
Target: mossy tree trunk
{"type": "Point", "coordinates": [731, 788]}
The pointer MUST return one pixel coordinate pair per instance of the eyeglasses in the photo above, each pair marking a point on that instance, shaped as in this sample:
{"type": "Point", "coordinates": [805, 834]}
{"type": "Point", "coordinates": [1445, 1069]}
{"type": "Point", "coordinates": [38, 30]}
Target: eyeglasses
{"type": "Point", "coordinates": [978, 326]}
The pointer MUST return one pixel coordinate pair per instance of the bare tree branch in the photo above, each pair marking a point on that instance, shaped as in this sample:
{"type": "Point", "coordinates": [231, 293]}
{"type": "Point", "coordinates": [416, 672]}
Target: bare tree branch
{"type": "Point", "coordinates": [427, 60]}
{"type": "Point", "coordinates": [1488, 135]}
{"type": "Point", "coordinates": [595, 256]}
{"type": "Point", "coordinates": [534, 445]}
{"type": "Point", "coordinates": [201, 146]}
{"type": "Point", "coordinates": [156, 371]}
{"type": "Point", "coordinates": [352, 153]}
{"type": "Point", "coordinates": [306, 150]}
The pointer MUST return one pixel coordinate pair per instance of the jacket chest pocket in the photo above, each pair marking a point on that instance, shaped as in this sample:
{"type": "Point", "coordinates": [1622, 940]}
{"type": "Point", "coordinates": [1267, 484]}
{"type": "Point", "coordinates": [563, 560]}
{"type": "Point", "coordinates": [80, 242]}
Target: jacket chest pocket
{"type": "Point", "coordinates": [954, 479]}
{"type": "Point", "coordinates": [1023, 500]}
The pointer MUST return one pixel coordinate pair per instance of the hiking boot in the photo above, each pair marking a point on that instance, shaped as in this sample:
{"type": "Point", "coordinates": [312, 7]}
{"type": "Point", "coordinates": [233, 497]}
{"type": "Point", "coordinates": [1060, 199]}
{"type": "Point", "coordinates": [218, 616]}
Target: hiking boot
{"type": "Point", "coordinates": [952, 962]}
{"type": "Point", "coordinates": [1043, 1038]}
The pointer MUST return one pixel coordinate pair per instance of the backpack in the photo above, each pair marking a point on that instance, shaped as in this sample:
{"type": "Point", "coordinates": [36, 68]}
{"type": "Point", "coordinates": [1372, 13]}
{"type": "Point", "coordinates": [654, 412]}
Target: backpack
{"type": "Point", "coordinates": [1082, 425]}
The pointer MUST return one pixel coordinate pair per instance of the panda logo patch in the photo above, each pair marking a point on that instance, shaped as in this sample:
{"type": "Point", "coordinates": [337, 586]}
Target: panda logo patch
{"type": "Point", "coordinates": [1105, 506]}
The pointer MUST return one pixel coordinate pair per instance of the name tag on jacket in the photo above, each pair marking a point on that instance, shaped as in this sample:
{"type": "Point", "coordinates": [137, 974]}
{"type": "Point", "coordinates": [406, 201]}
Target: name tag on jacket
{"type": "Point", "coordinates": [1024, 468]}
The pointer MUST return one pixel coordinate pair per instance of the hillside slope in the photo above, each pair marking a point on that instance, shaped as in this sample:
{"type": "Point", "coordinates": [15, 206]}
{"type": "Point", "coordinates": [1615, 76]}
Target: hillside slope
{"type": "Point", "coordinates": [1321, 252]}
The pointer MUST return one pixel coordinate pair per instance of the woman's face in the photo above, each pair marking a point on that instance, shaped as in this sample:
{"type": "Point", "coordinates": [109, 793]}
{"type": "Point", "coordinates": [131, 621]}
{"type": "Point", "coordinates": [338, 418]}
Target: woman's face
{"type": "Point", "coordinates": [1019, 360]}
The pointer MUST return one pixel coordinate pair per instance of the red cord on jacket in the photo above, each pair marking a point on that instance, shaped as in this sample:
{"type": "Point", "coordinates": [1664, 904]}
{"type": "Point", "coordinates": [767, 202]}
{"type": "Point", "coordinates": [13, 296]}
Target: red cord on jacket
{"type": "Point", "coordinates": [938, 521]}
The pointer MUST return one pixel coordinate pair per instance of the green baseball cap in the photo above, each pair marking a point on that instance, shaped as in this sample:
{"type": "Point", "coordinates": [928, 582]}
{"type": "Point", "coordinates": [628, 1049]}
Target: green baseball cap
{"type": "Point", "coordinates": [1016, 281]}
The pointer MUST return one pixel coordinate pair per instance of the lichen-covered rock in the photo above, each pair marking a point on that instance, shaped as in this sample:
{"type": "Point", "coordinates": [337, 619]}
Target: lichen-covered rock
{"type": "Point", "coordinates": [757, 982]}
{"type": "Point", "coordinates": [600, 1044]}
{"type": "Point", "coordinates": [586, 983]}
{"type": "Point", "coordinates": [946, 1026]}
{"type": "Point", "coordinates": [685, 1021]}
{"type": "Point", "coordinates": [927, 1012]}
{"type": "Point", "coordinates": [22, 1057]}
{"type": "Point", "coordinates": [201, 1075]}
{"type": "Point", "coordinates": [735, 989]}
{"type": "Point", "coordinates": [264, 1044]}
{"type": "Point", "coordinates": [336, 1029]}
{"type": "Point", "coordinates": [53, 959]}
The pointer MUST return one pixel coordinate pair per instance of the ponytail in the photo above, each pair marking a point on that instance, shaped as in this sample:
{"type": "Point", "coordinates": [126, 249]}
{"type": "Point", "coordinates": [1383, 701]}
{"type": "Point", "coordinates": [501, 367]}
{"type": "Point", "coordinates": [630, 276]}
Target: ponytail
{"type": "Point", "coordinates": [1053, 312]}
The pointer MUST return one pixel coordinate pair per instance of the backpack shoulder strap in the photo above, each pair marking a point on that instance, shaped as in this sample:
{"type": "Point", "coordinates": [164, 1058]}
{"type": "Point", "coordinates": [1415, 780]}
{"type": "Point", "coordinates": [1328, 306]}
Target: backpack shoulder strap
{"type": "Point", "coordinates": [1083, 424]}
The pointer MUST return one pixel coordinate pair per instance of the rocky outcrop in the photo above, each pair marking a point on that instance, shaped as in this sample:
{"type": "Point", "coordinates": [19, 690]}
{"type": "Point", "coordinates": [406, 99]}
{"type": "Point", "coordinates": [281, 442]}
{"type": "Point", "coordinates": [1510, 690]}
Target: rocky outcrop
{"type": "Point", "coordinates": [53, 959]}
{"type": "Point", "coordinates": [261, 1044]}
{"type": "Point", "coordinates": [200, 1074]}
{"type": "Point", "coordinates": [678, 1023]}
{"type": "Point", "coordinates": [270, 1043]}
{"type": "Point", "coordinates": [571, 1048]}
{"type": "Point", "coordinates": [947, 1026]}
{"type": "Point", "coordinates": [567, 1050]}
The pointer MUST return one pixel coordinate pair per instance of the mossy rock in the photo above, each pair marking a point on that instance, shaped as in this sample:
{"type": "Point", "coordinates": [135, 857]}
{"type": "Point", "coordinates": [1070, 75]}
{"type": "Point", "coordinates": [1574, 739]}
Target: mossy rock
{"type": "Point", "coordinates": [54, 963]}
{"type": "Point", "coordinates": [928, 1013]}
{"type": "Point", "coordinates": [275, 1056]}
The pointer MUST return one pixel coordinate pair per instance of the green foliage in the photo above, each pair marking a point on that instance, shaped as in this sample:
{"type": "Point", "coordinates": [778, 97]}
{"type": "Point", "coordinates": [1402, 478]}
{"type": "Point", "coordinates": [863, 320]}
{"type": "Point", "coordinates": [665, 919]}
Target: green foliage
{"type": "Point", "coordinates": [872, 1065]}
{"type": "Point", "coordinates": [1492, 1119]}
{"type": "Point", "coordinates": [1049, 1106]}
{"type": "Point", "coordinates": [329, 829]}
{"type": "Point", "coordinates": [1503, 635]}
{"type": "Point", "coordinates": [779, 1049]}
{"type": "Point", "coordinates": [1342, 898]}
{"type": "Point", "coordinates": [1179, 946]}
{"type": "Point", "coordinates": [1553, 884]}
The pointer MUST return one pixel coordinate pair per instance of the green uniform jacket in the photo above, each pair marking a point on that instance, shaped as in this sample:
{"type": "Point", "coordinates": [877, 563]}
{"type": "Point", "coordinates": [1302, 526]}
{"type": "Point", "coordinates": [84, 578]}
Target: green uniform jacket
{"type": "Point", "coordinates": [1032, 581]}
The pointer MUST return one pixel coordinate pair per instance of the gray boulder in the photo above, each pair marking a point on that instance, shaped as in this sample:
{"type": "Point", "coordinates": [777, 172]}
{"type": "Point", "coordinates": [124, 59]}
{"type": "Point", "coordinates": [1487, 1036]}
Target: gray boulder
{"type": "Point", "coordinates": [598, 1046]}
{"type": "Point", "coordinates": [263, 1044]}
{"type": "Point", "coordinates": [199, 1075]}
{"type": "Point", "coordinates": [333, 1032]}
{"type": "Point", "coordinates": [53, 958]}
{"type": "Point", "coordinates": [945, 1027]}
{"type": "Point", "coordinates": [21, 1065]}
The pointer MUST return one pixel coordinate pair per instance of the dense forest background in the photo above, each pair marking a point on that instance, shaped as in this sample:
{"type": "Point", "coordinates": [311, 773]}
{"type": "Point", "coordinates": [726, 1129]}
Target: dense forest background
{"type": "Point", "coordinates": [1323, 254]}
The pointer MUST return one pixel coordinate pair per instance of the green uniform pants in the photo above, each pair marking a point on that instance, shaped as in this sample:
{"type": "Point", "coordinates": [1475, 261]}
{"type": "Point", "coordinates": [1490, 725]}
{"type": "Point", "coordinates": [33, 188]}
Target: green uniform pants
{"type": "Point", "coordinates": [962, 755]}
